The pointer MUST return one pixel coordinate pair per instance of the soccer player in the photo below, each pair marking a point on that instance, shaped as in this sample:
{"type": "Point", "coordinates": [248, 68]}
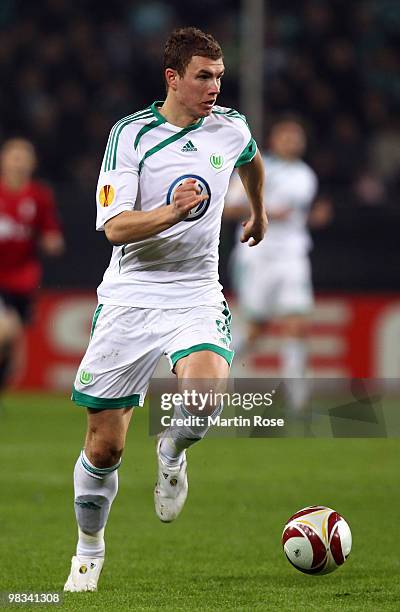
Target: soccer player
{"type": "Point", "coordinates": [160, 197]}
{"type": "Point", "coordinates": [274, 280]}
{"type": "Point", "coordinates": [28, 223]}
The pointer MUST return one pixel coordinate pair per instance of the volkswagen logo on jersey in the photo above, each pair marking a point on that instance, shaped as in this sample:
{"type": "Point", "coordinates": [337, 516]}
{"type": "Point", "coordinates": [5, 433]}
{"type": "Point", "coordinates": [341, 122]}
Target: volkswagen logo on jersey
{"type": "Point", "coordinates": [203, 188]}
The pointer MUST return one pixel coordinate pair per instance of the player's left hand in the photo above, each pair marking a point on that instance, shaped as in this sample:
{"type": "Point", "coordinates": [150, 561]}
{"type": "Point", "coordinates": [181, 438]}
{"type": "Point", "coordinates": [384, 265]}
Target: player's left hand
{"type": "Point", "coordinates": [254, 229]}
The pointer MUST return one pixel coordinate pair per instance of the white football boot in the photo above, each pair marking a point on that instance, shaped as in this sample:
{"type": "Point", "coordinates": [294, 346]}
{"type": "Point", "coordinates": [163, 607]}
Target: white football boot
{"type": "Point", "coordinates": [84, 575]}
{"type": "Point", "coordinates": [171, 489]}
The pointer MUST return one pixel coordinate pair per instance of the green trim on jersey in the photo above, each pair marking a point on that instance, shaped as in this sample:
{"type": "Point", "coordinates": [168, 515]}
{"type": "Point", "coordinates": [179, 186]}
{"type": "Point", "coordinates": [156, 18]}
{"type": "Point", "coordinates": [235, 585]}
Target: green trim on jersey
{"type": "Point", "coordinates": [120, 259]}
{"type": "Point", "coordinates": [103, 403]}
{"type": "Point", "coordinates": [247, 154]}
{"type": "Point", "coordinates": [157, 114]}
{"type": "Point", "coordinates": [231, 112]}
{"type": "Point", "coordinates": [146, 128]}
{"type": "Point", "coordinates": [110, 156]}
{"type": "Point", "coordinates": [155, 110]}
{"type": "Point", "coordinates": [115, 127]}
{"type": "Point", "coordinates": [166, 142]}
{"type": "Point", "coordinates": [225, 353]}
{"type": "Point", "coordinates": [117, 135]}
{"type": "Point", "coordinates": [95, 317]}
{"type": "Point", "coordinates": [111, 137]}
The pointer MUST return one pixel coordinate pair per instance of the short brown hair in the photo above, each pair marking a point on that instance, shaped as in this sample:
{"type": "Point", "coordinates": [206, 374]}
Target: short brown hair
{"type": "Point", "coordinates": [184, 43]}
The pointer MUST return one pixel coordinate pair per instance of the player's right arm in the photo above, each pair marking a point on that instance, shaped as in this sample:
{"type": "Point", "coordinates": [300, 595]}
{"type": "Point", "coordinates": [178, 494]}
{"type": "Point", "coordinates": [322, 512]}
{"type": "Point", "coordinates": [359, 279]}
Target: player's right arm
{"type": "Point", "coordinates": [117, 191]}
{"type": "Point", "coordinates": [138, 225]}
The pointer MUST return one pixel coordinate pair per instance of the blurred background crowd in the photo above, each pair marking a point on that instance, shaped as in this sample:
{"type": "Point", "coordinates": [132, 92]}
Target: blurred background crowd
{"type": "Point", "coordinates": [69, 70]}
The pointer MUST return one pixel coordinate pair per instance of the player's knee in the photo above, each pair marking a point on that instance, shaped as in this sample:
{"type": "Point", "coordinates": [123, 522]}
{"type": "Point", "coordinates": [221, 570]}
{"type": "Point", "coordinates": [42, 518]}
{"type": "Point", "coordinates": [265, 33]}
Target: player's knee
{"type": "Point", "coordinates": [104, 453]}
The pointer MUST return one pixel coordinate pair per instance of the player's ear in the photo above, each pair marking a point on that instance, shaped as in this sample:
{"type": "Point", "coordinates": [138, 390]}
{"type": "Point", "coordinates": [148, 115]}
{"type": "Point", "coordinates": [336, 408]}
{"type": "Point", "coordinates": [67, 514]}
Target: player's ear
{"type": "Point", "coordinates": [171, 78]}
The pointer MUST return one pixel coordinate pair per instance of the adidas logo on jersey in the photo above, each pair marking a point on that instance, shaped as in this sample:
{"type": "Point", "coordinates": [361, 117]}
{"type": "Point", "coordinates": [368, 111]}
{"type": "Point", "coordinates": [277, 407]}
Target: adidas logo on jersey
{"type": "Point", "coordinates": [188, 147]}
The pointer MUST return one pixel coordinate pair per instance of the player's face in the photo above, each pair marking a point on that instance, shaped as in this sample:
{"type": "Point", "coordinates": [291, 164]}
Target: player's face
{"type": "Point", "coordinates": [197, 90]}
{"type": "Point", "coordinates": [17, 159]}
{"type": "Point", "coordinates": [288, 140]}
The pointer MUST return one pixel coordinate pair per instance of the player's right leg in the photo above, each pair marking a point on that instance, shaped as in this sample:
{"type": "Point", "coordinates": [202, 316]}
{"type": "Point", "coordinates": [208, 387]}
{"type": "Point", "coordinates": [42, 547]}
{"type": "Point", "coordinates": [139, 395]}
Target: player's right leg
{"type": "Point", "coordinates": [95, 488]}
{"type": "Point", "coordinates": [113, 377]}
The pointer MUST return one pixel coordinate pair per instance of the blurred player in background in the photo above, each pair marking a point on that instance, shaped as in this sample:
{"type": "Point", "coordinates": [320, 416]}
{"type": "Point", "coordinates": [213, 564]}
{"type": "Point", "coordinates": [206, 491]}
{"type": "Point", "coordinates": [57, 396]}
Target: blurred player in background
{"type": "Point", "coordinates": [160, 199]}
{"type": "Point", "coordinates": [273, 281]}
{"type": "Point", "coordinates": [28, 224]}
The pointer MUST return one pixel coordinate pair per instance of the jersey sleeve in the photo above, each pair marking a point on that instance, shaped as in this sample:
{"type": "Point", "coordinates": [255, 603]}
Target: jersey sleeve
{"type": "Point", "coordinates": [248, 152]}
{"type": "Point", "coordinates": [117, 186]}
{"type": "Point", "coordinates": [47, 219]}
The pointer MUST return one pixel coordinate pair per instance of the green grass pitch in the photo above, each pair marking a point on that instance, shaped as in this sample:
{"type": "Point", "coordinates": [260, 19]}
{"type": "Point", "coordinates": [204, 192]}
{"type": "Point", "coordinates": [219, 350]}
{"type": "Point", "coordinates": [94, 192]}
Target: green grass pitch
{"type": "Point", "coordinates": [224, 552]}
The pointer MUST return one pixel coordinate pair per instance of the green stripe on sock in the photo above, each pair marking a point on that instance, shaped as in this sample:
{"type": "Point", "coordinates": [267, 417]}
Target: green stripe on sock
{"type": "Point", "coordinates": [99, 471]}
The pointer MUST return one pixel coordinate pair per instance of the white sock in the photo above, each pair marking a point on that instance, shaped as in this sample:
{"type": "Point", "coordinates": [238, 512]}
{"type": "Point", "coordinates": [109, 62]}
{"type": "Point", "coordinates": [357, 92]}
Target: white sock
{"type": "Point", "coordinates": [176, 439]}
{"type": "Point", "coordinates": [95, 490]}
{"type": "Point", "coordinates": [90, 545]}
{"type": "Point", "coordinates": [294, 366]}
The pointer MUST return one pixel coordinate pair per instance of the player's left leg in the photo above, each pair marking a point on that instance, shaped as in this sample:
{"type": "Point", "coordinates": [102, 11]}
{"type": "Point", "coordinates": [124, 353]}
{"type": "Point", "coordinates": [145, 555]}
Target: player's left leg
{"type": "Point", "coordinates": [204, 373]}
{"type": "Point", "coordinates": [198, 346]}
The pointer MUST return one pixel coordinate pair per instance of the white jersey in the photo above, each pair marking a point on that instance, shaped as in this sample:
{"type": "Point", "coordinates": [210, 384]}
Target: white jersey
{"type": "Point", "coordinates": [289, 185]}
{"type": "Point", "coordinates": [146, 159]}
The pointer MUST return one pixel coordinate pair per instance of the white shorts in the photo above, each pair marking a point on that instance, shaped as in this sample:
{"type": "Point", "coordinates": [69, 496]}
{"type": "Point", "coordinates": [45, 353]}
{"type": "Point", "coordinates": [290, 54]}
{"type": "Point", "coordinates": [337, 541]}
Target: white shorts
{"type": "Point", "coordinates": [127, 343]}
{"type": "Point", "coordinates": [277, 288]}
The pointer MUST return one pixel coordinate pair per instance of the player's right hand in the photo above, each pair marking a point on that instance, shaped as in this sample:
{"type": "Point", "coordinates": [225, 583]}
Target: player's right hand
{"type": "Point", "coordinates": [186, 197]}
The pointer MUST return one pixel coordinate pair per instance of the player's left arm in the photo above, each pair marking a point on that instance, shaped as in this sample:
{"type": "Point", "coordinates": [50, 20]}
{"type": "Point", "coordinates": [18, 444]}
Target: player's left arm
{"type": "Point", "coordinates": [252, 175]}
{"type": "Point", "coordinates": [50, 238]}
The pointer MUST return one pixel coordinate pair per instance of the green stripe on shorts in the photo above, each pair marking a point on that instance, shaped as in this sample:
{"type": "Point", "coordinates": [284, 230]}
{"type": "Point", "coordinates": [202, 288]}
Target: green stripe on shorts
{"type": "Point", "coordinates": [225, 353]}
{"type": "Point", "coordinates": [95, 317]}
{"type": "Point", "coordinates": [103, 403]}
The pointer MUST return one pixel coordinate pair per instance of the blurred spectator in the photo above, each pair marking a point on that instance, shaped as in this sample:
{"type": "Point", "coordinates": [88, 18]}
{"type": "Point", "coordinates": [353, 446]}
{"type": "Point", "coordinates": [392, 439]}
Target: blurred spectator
{"type": "Point", "coordinates": [385, 151]}
{"type": "Point", "coordinates": [369, 190]}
